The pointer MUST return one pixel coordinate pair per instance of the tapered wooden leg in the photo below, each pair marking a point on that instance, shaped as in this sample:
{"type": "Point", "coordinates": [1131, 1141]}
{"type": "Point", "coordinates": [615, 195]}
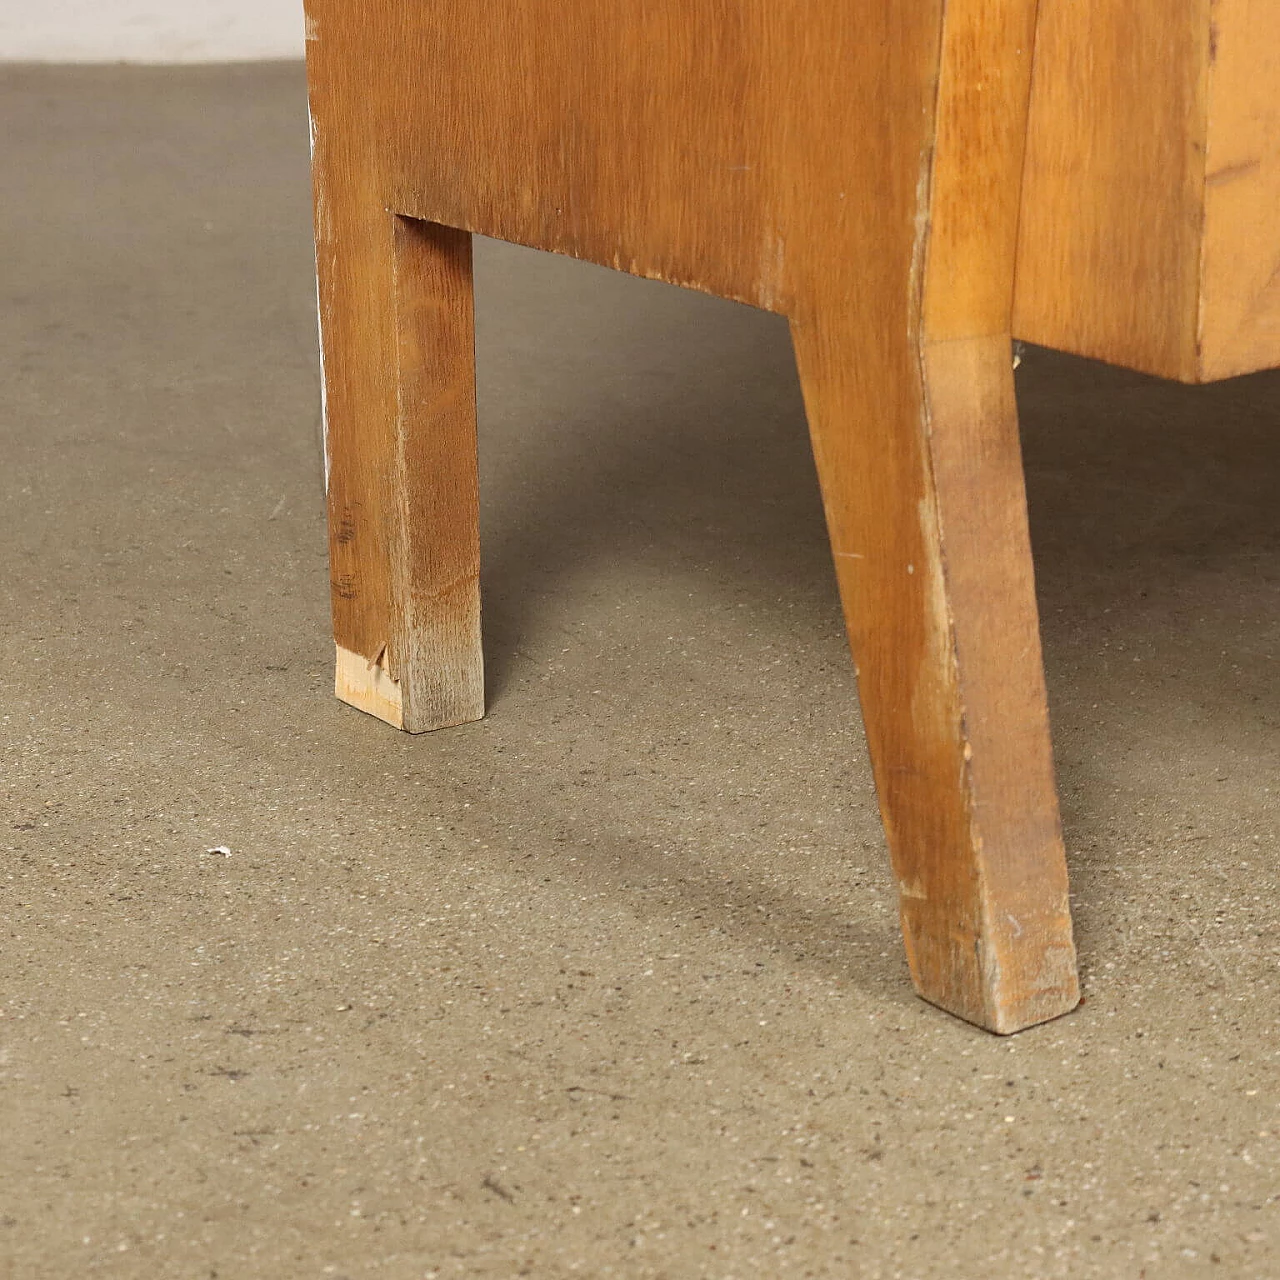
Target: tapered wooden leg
{"type": "Point", "coordinates": [922, 482]}
{"type": "Point", "coordinates": [398, 340]}
{"type": "Point", "coordinates": [901, 328]}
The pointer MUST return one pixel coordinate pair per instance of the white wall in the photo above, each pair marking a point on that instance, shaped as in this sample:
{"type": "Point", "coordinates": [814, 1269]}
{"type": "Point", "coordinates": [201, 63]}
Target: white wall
{"type": "Point", "coordinates": [149, 30]}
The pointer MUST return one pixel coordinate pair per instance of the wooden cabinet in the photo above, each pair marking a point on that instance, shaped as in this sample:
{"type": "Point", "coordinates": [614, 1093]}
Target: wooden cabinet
{"type": "Point", "coordinates": [859, 169]}
{"type": "Point", "coordinates": [1150, 228]}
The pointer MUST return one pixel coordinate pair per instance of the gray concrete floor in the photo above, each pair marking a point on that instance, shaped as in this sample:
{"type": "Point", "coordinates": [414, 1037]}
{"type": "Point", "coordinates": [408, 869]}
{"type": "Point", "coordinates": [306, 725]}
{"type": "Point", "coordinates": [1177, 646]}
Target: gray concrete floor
{"type": "Point", "coordinates": [609, 984]}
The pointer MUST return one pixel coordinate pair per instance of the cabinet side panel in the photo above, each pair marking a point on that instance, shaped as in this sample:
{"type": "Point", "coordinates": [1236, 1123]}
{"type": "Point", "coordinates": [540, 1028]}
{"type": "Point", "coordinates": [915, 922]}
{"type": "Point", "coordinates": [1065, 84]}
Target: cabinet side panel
{"type": "Point", "coordinates": [1109, 241]}
{"type": "Point", "coordinates": [1240, 298]}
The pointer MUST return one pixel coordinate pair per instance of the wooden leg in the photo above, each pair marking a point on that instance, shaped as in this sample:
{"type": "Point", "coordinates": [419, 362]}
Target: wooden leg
{"type": "Point", "coordinates": [399, 369]}
{"type": "Point", "coordinates": [922, 482]}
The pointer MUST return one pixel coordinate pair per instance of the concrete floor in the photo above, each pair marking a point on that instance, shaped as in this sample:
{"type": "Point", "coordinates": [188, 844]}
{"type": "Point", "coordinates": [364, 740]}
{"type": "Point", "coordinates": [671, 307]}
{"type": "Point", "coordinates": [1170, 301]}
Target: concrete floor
{"type": "Point", "coordinates": [609, 984]}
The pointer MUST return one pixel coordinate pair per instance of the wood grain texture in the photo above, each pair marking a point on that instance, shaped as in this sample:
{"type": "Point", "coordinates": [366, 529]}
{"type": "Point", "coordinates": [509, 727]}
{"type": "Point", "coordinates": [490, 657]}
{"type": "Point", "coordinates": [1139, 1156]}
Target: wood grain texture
{"type": "Point", "coordinates": [399, 372]}
{"type": "Point", "coordinates": [855, 169]}
{"type": "Point", "coordinates": [1240, 268]}
{"type": "Point", "coordinates": [1150, 229]}
{"type": "Point", "coordinates": [1109, 247]}
{"type": "Point", "coordinates": [366, 683]}
{"type": "Point", "coordinates": [928, 524]}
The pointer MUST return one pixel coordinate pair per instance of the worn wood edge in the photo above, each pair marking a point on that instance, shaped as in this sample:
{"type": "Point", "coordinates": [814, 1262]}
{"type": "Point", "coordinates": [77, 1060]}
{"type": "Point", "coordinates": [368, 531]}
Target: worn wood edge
{"type": "Point", "coordinates": [367, 685]}
{"type": "Point", "coordinates": [1025, 953]}
{"type": "Point", "coordinates": [974, 189]}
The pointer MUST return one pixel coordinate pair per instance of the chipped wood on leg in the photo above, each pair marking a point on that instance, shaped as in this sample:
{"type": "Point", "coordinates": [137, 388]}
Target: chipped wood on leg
{"type": "Point", "coordinates": [368, 686]}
